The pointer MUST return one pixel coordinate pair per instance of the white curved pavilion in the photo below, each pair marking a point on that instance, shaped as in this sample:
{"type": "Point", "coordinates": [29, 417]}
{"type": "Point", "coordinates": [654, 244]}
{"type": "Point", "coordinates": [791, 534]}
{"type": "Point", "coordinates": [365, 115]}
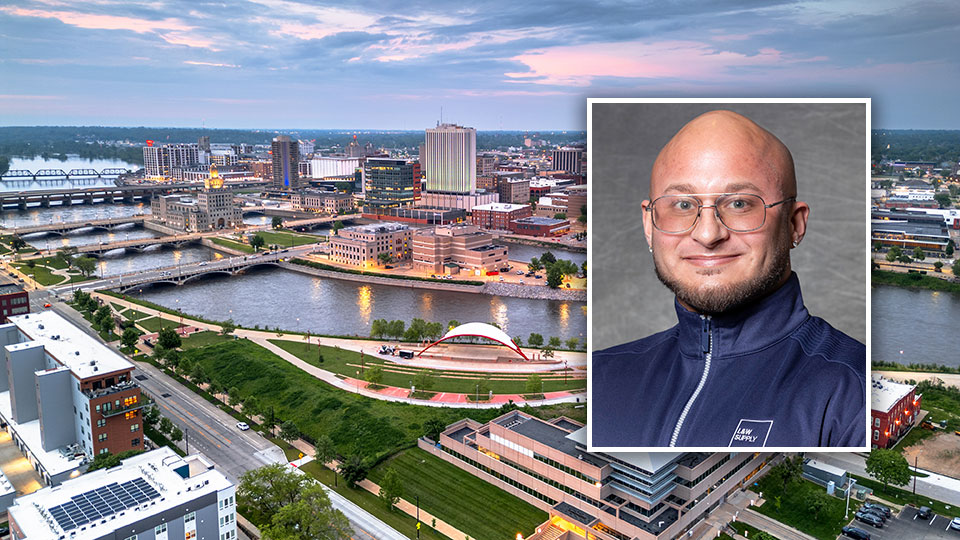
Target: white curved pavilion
{"type": "Point", "coordinates": [477, 329]}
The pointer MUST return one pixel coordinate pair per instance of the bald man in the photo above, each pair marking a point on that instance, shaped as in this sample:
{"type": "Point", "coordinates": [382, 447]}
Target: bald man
{"type": "Point", "coordinates": [746, 365]}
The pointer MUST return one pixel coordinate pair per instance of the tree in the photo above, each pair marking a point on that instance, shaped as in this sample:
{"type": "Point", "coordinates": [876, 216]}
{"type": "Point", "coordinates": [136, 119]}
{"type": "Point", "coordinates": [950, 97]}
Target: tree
{"type": "Point", "coordinates": [289, 431]}
{"type": "Point", "coordinates": [257, 242]}
{"type": "Point", "coordinates": [534, 265]}
{"type": "Point", "coordinates": [166, 426]}
{"type": "Point", "coordinates": [354, 469]}
{"type": "Point", "coordinates": [233, 396]}
{"type": "Point", "coordinates": [918, 253]}
{"type": "Point", "coordinates": [109, 461]}
{"type": "Point", "coordinates": [554, 277]}
{"type": "Point", "coordinates": [888, 466]}
{"type": "Point", "coordinates": [227, 327]}
{"type": "Point", "coordinates": [432, 429]}
{"type": "Point", "coordinates": [310, 517]}
{"type": "Point", "coordinates": [956, 268]}
{"type": "Point", "coordinates": [268, 489]}
{"type": "Point", "coordinates": [396, 328]}
{"type": "Point", "coordinates": [391, 487]}
{"type": "Point", "coordinates": [894, 253]}
{"type": "Point", "coordinates": [423, 380]}
{"type": "Point", "coordinates": [107, 324]}
{"type": "Point", "coordinates": [276, 222]}
{"type": "Point", "coordinates": [324, 450]}
{"type": "Point", "coordinates": [572, 343]}
{"type": "Point", "coordinates": [787, 471]}
{"type": "Point", "coordinates": [535, 340]}
{"type": "Point", "coordinates": [101, 315]}
{"type": "Point", "coordinates": [17, 243]}
{"type": "Point", "coordinates": [453, 324]}
{"type": "Point", "coordinates": [384, 258]}
{"type": "Point", "coordinates": [938, 266]}
{"type": "Point", "coordinates": [547, 258]}
{"type": "Point", "coordinates": [130, 337]}
{"type": "Point", "coordinates": [176, 435]}
{"type": "Point", "coordinates": [815, 502]}
{"type": "Point", "coordinates": [65, 254]}
{"type": "Point", "coordinates": [518, 340]}
{"type": "Point", "coordinates": [374, 375]}
{"type": "Point", "coordinates": [534, 384]}
{"type": "Point", "coordinates": [337, 225]}
{"type": "Point", "coordinates": [151, 415]}
{"type": "Point", "coordinates": [949, 248]}
{"type": "Point", "coordinates": [483, 385]}
{"type": "Point", "coordinates": [560, 215]}
{"type": "Point", "coordinates": [943, 199]}
{"type": "Point", "coordinates": [197, 374]}
{"type": "Point", "coordinates": [86, 265]}
{"type": "Point", "coordinates": [555, 342]}
{"type": "Point", "coordinates": [168, 338]}
{"type": "Point", "coordinates": [547, 351]}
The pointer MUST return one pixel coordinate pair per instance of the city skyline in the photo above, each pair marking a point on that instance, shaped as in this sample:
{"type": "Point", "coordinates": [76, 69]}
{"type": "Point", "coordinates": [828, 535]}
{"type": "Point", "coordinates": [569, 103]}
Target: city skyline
{"type": "Point", "coordinates": [275, 63]}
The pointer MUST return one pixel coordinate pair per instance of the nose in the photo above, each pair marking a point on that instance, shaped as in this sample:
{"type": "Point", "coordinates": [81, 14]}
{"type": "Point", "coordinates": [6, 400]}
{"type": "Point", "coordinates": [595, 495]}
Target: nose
{"type": "Point", "coordinates": [708, 230]}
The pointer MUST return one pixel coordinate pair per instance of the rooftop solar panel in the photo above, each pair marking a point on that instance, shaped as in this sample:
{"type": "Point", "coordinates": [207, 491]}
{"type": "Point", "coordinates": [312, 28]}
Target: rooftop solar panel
{"type": "Point", "coordinates": [102, 502]}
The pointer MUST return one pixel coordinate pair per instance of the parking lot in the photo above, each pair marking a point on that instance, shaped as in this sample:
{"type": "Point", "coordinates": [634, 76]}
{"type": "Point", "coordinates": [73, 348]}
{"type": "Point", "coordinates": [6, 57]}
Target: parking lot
{"type": "Point", "coordinates": [908, 525]}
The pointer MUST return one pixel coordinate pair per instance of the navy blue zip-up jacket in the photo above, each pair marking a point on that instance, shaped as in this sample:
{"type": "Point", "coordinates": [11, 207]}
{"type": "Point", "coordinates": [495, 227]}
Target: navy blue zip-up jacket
{"type": "Point", "coordinates": [766, 375]}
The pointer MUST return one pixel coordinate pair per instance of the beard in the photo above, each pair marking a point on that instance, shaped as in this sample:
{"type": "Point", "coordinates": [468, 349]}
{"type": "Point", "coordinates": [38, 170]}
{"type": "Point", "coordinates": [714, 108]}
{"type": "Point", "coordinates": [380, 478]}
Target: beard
{"type": "Point", "coordinates": [720, 299]}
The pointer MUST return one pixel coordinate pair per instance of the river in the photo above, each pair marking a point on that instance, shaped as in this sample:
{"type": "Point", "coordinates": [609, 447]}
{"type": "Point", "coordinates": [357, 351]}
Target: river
{"type": "Point", "coordinates": [914, 325]}
{"type": "Point", "coordinates": [37, 163]}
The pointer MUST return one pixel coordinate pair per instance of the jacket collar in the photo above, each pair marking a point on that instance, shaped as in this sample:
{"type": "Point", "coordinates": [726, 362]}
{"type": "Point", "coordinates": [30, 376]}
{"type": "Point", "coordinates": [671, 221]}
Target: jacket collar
{"type": "Point", "coordinates": [747, 329]}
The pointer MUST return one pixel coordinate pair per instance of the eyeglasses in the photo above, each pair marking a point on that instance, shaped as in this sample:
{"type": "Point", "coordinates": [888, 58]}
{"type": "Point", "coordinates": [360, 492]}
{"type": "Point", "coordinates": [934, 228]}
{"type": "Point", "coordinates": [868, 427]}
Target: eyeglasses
{"type": "Point", "coordinates": [738, 212]}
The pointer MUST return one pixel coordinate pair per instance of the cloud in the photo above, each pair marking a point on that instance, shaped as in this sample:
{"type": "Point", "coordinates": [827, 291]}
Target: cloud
{"type": "Point", "coordinates": [212, 64]}
{"type": "Point", "coordinates": [579, 65]}
{"type": "Point", "coordinates": [102, 22]}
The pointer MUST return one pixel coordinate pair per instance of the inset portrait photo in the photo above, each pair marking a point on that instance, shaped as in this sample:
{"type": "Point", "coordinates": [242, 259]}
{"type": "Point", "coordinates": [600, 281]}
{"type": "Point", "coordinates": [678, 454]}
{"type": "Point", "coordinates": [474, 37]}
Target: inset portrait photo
{"type": "Point", "coordinates": [728, 294]}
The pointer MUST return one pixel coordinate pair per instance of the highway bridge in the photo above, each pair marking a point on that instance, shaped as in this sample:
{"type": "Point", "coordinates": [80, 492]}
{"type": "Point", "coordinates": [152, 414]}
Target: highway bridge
{"type": "Point", "coordinates": [139, 244]}
{"type": "Point", "coordinates": [178, 275]}
{"type": "Point", "coordinates": [108, 194]}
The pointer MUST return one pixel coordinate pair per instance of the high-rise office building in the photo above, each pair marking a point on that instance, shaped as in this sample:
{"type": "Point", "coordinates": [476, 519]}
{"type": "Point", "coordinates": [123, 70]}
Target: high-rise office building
{"type": "Point", "coordinates": [390, 183]}
{"type": "Point", "coordinates": [160, 161]}
{"type": "Point", "coordinates": [451, 159]}
{"type": "Point", "coordinates": [568, 159]}
{"type": "Point", "coordinates": [286, 163]}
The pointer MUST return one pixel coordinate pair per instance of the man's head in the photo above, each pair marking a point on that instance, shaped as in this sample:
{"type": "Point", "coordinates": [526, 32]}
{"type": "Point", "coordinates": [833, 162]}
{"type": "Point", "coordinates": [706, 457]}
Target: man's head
{"type": "Point", "coordinates": [709, 267]}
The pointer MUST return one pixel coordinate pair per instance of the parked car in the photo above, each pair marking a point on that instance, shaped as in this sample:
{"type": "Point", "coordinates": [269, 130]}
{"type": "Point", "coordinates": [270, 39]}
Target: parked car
{"type": "Point", "coordinates": [955, 524]}
{"type": "Point", "coordinates": [869, 519]}
{"type": "Point", "coordinates": [855, 533]}
{"type": "Point", "coordinates": [875, 512]}
{"type": "Point", "coordinates": [877, 506]}
{"type": "Point", "coordinates": [242, 426]}
{"type": "Point", "coordinates": [924, 512]}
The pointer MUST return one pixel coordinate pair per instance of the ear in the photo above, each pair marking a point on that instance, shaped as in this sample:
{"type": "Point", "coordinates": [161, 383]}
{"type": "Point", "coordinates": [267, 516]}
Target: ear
{"type": "Point", "coordinates": [798, 221]}
{"type": "Point", "coordinates": [647, 222]}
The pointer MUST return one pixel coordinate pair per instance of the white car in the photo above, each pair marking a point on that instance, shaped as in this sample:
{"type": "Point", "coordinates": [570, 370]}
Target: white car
{"type": "Point", "coordinates": [242, 426]}
{"type": "Point", "coordinates": [955, 524]}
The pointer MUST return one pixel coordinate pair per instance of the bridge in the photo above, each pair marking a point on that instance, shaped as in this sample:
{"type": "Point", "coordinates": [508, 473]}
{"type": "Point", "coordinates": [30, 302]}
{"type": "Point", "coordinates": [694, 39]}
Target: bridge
{"type": "Point", "coordinates": [140, 244]}
{"type": "Point", "coordinates": [109, 194]}
{"type": "Point", "coordinates": [65, 227]}
{"type": "Point", "coordinates": [178, 275]}
{"type": "Point", "coordinates": [317, 221]}
{"type": "Point", "coordinates": [20, 174]}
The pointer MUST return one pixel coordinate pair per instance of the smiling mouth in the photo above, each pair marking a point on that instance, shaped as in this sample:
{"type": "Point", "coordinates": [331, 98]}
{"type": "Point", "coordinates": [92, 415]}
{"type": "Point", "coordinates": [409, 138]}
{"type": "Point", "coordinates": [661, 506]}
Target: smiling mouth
{"type": "Point", "coordinates": [710, 261]}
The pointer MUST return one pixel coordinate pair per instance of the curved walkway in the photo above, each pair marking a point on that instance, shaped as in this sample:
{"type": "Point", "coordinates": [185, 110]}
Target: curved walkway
{"type": "Point", "coordinates": [390, 393]}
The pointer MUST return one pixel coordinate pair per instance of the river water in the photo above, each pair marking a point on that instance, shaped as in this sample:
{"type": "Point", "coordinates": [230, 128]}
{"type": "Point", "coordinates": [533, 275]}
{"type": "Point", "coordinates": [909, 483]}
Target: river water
{"type": "Point", "coordinates": [278, 298]}
{"type": "Point", "coordinates": [37, 163]}
{"type": "Point", "coordinates": [914, 326]}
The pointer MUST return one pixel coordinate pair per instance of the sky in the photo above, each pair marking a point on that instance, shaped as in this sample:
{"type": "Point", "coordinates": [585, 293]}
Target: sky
{"type": "Point", "coordinates": [384, 64]}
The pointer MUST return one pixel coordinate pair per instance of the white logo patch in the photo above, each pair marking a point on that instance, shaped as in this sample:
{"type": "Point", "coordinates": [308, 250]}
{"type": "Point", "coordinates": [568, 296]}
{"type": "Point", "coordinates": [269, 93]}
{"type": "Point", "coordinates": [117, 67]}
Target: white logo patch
{"type": "Point", "coordinates": [751, 433]}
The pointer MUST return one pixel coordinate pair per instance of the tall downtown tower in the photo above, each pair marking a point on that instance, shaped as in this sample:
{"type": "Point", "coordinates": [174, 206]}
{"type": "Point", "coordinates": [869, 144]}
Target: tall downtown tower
{"type": "Point", "coordinates": [451, 159]}
{"type": "Point", "coordinates": [286, 163]}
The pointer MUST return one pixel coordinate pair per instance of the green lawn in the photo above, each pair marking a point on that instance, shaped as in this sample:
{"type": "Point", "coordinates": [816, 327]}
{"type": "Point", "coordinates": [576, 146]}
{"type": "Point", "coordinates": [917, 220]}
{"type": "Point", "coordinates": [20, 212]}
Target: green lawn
{"type": "Point", "coordinates": [403, 523]}
{"type": "Point", "coordinates": [356, 424]}
{"type": "Point", "coordinates": [742, 528]}
{"type": "Point", "coordinates": [154, 324]}
{"type": "Point", "coordinates": [348, 363]}
{"type": "Point", "coordinates": [232, 245]}
{"type": "Point", "coordinates": [905, 496]}
{"type": "Point", "coordinates": [202, 339]}
{"type": "Point", "coordinates": [793, 508]}
{"type": "Point", "coordinates": [133, 315]}
{"type": "Point", "coordinates": [461, 499]}
{"type": "Point", "coordinates": [40, 274]}
{"type": "Point", "coordinates": [286, 239]}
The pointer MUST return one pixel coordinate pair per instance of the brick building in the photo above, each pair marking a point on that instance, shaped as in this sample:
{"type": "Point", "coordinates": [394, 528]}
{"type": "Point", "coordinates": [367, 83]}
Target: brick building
{"type": "Point", "coordinates": [893, 411]}
{"type": "Point", "coordinates": [540, 226]}
{"type": "Point", "coordinates": [455, 247]}
{"type": "Point", "coordinates": [13, 301]}
{"type": "Point", "coordinates": [497, 216]}
{"type": "Point", "coordinates": [322, 201]}
{"type": "Point", "coordinates": [363, 244]}
{"type": "Point", "coordinates": [64, 396]}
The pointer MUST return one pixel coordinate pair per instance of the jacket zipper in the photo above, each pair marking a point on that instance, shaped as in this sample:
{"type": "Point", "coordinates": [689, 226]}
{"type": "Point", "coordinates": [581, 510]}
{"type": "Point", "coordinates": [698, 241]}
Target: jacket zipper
{"type": "Point", "coordinates": [706, 344]}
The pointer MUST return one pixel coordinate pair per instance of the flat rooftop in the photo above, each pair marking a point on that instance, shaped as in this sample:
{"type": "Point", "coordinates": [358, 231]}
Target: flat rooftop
{"type": "Point", "coordinates": [550, 435]}
{"type": "Point", "coordinates": [538, 220]}
{"type": "Point", "coordinates": [10, 288]}
{"type": "Point", "coordinates": [56, 461]}
{"type": "Point", "coordinates": [886, 393]}
{"type": "Point", "coordinates": [94, 504]}
{"type": "Point", "coordinates": [70, 346]}
{"type": "Point", "coordinates": [500, 207]}
{"type": "Point", "coordinates": [378, 227]}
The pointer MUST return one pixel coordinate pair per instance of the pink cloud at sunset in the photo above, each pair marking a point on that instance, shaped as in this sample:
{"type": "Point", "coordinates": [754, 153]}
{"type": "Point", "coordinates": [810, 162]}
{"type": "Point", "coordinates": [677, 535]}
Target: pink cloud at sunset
{"type": "Point", "coordinates": [578, 65]}
{"type": "Point", "coordinates": [101, 22]}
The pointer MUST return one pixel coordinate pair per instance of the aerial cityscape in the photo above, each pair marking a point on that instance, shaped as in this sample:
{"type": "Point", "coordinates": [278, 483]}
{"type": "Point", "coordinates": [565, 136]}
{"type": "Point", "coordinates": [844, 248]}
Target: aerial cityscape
{"type": "Point", "coordinates": [292, 270]}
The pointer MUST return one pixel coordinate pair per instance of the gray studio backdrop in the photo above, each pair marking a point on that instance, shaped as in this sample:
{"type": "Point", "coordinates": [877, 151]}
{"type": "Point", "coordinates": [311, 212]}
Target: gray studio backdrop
{"type": "Point", "coordinates": [828, 143]}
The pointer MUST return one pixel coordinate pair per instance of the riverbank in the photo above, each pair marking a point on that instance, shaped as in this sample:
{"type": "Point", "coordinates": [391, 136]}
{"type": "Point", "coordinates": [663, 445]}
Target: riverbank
{"type": "Point", "coordinates": [913, 281]}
